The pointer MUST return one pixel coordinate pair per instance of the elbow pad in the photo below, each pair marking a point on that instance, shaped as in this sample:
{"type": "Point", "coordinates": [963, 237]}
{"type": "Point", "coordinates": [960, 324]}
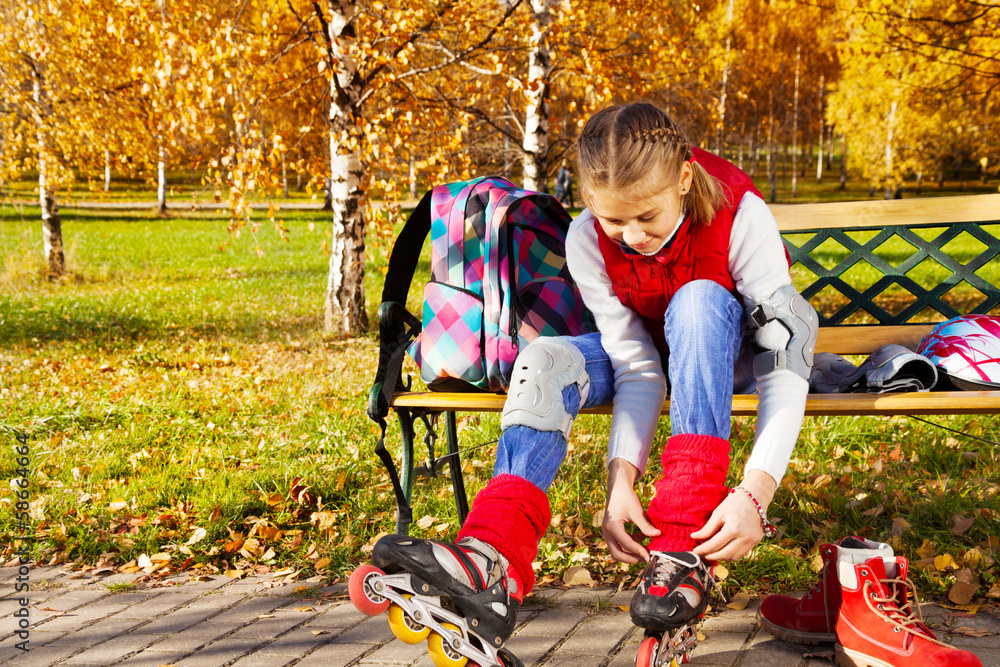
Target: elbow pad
{"type": "Point", "coordinates": [787, 307]}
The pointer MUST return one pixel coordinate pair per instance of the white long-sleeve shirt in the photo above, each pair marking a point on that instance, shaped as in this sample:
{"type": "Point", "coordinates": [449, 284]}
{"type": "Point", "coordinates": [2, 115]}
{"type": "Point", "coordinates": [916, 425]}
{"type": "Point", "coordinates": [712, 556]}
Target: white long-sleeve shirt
{"type": "Point", "coordinates": [758, 266]}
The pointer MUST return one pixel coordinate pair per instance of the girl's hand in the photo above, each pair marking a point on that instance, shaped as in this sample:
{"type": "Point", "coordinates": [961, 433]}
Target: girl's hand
{"type": "Point", "coordinates": [624, 507]}
{"type": "Point", "coordinates": [734, 527]}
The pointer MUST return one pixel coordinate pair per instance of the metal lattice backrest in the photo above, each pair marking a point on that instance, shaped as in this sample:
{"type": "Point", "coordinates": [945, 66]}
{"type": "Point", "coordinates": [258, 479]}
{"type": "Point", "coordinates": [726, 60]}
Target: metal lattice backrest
{"type": "Point", "coordinates": [895, 297]}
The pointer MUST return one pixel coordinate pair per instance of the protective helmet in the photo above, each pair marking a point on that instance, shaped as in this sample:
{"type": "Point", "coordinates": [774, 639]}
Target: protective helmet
{"type": "Point", "coordinates": [966, 351]}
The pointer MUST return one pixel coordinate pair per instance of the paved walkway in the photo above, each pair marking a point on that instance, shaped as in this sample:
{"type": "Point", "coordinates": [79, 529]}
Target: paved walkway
{"type": "Point", "coordinates": [257, 622]}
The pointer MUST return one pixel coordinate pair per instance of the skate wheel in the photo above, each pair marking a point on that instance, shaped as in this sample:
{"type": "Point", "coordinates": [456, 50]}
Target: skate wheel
{"type": "Point", "coordinates": [404, 627]}
{"type": "Point", "coordinates": [443, 655]}
{"type": "Point", "coordinates": [647, 652]}
{"type": "Point", "coordinates": [361, 593]}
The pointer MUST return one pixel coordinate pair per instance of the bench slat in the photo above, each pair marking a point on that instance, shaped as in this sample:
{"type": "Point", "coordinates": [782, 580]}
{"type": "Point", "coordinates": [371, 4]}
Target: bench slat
{"type": "Point", "coordinates": [923, 403]}
{"type": "Point", "coordinates": [865, 339]}
{"type": "Point", "coordinates": [882, 213]}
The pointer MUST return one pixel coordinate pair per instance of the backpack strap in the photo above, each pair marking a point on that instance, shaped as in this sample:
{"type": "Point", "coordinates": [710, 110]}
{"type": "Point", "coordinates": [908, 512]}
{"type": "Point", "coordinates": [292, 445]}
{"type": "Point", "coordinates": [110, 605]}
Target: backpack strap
{"type": "Point", "coordinates": [397, 328]}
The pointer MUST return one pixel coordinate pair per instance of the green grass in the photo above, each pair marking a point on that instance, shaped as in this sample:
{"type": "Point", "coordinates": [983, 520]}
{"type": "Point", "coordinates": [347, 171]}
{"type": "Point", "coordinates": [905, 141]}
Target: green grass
{"type": "Point", "coordinates": [182, 400]}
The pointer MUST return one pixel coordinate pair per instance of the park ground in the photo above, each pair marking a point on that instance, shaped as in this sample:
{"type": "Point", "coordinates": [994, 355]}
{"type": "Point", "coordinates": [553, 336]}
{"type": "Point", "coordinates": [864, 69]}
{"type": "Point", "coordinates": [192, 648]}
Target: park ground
{"type": "Point", "coordinates": [183, 411]}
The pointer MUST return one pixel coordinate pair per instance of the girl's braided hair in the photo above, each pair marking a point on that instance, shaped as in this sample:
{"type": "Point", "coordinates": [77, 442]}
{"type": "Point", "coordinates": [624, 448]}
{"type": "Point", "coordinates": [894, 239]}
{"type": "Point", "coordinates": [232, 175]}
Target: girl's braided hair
{"type": "Point", "coordinates": [637, 148]}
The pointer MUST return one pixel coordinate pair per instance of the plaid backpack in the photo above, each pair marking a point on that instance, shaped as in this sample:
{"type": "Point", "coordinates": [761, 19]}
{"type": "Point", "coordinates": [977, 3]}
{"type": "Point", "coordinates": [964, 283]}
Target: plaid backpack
{"type": "Point", "coordinates": [498, 280]}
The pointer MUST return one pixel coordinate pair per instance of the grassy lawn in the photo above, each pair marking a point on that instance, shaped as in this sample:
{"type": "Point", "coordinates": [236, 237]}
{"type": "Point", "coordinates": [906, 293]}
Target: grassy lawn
{"type": "Point", "coordinates": [186, 412]}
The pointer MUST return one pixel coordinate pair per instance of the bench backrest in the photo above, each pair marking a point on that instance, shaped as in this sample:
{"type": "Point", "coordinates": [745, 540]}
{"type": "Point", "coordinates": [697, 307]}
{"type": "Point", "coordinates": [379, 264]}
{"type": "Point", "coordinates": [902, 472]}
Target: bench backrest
{"type": "Point", "coordinates": [885, 271]}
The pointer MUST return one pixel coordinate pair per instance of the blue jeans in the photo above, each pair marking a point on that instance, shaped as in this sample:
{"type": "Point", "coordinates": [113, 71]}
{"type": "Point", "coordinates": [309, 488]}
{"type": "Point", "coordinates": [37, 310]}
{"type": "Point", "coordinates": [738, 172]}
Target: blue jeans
{"type": "Point", "coordinates": [704, 330]}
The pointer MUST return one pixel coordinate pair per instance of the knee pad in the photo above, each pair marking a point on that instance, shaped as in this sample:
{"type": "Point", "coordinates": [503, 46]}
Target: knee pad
{"type": "Point", "coordinates": [541, 372]}
{"type": "Point", "coordinates": [787, 307]}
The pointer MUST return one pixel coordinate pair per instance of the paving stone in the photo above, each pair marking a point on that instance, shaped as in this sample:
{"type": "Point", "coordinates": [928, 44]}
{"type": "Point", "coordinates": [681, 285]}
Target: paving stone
{"type": "Point", "coordinates": [586, 596]}
{"type": "Point", "coordinates": [216, 600]}
{"type": "Point", "coordinates": [43, 656]}
{"type": "Point", "coordinates": [597, 636]}
{"type": "Point", "coordinates": [396, 653]}
{"type": "Point", "coordinates": [553, 623]}
{"type": "Point", "coordinates": [111, 650]}
{"type": "Point", "coordinates": [69, 600]}
{"type": "Point", "coordinates": [298, 642]}
{"type": "Point", "coordinates": [576, 661]}
{"type": "Point", "coordinates": [264, 660]}
{"type": "Point", "coordinates": [721, 648]}
{"type": "Point", "coordinates": [195, 637]}
{"type": "Point", "coordinates": [730, 622]}
{"type": "Point", "coordinates": [531, 648]}
{"type": "Point", "coordinates": [768, 651]}
{"type": "Point", "coordinates": [373, 631]}
{"type": "Point", "coordinates": [158, 606]}
{"type": "Point", "coordinates": [340, 616]}
{"type": "Point", "coordinates": [248, 609]}
{"type": "Point", "coordinates": [176, 621]}
{"type": "Point", "coordinates": [334, 655]}
{"type": "Point", "coordinates": [151, 659]}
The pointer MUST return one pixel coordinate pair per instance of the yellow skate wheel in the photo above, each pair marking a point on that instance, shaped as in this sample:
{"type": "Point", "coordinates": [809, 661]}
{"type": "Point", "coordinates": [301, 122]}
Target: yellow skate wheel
{"type": "Point", "coordinates": [404, 627]}
{"type": "Point", "coordinates": [443, 655]}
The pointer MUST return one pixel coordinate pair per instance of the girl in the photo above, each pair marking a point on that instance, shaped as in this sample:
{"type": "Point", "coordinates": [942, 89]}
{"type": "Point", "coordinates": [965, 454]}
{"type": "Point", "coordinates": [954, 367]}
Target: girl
{"type": "Point", "coordinates": [675, 251]}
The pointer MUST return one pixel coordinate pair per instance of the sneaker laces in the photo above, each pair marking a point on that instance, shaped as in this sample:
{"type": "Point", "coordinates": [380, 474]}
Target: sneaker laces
{"type": "Point", "coordinates": [667, 566]}
{"type": "Point", "coordinates": [906, 618]}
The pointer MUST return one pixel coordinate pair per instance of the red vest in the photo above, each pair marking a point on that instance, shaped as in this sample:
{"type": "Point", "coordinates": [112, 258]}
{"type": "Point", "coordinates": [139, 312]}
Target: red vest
{"type": "Point", "coordinates": [696, 252]}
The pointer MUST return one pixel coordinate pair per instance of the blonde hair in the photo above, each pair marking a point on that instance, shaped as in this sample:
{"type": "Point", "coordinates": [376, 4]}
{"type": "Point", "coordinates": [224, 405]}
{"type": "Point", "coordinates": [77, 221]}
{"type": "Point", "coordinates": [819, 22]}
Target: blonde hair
{"type": "Point", "coordinates": [625, 146]}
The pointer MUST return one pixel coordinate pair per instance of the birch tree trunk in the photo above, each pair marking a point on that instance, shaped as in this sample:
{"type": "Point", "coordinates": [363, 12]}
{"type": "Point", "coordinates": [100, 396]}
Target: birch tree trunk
{"type": "Point", "coordinates": [345, 297]}
{"type": "Point", "coordinates": [536, 122]}
{"type": "Point", "coordinates": [52, 244]}
{"type": "Point", "coordinates": [889, 179]}
{"type": "Point", "coordinates": [413, 177]}
{"type": "Point", "coordinates": [822, 136]}
{"type": "Point", "coordinates": [720, 132]}
{"type": "Point", "coordinates": [795, 123]}
{"type": "Point", "coordinates": [772, 163]}
{"type": "Point", "coordinates": [843, 163]}
{"type": "Point", "coordinates": [161, 180]}
{"type": "Point", "coordinates": [107, 170]}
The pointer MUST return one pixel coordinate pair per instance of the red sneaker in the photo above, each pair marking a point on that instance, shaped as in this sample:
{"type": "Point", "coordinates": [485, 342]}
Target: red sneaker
{"type": "Point", "coordinates": [812, 618]}
{"type": "Point", "coordinates": [880, 624]}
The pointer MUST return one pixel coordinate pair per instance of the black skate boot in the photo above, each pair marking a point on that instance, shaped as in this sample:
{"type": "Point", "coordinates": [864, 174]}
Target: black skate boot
{"type": "Point", "coordinates": [460, 597]}
{"type": "Point", "coordinates": [671, 599]}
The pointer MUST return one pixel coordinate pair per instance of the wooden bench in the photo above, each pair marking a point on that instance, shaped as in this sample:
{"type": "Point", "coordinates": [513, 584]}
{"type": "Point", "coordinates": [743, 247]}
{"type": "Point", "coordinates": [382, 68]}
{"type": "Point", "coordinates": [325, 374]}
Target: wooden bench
{"type": "Point", "coordinates": [851, 261]}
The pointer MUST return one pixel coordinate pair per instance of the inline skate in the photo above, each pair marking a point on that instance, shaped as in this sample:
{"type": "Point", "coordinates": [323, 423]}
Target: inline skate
{"type": "Point", "coordinates": [669, 604]}
{"type": "Point", "coordinates": [461, 598]}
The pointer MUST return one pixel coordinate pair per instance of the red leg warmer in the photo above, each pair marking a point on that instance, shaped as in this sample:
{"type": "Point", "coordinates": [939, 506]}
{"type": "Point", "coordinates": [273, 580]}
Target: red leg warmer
{"type": "Point", "coordinates": [692, 486]}
{"type": "Point", "coordinates": [511, 514]}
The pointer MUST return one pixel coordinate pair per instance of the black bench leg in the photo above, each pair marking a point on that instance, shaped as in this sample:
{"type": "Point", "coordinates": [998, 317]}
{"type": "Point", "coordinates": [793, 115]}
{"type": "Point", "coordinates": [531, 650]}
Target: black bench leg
{"type": "Point", "coordinates": [406, 466]}
{"type": "Point", "coordinates": [455, 467]}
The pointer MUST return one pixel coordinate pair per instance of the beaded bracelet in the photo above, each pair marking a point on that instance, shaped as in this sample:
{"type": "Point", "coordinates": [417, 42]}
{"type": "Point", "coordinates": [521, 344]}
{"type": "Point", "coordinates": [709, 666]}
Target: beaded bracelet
{"type": "Point", "coordinates": [767, 526]}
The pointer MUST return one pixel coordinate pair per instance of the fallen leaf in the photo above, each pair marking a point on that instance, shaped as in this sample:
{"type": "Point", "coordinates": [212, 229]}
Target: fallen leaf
{"type": "Point", "coordinates": [235, 574]}
{"type": "Point", "coordinates": [721, 572]}
{"type": "Point", "coordinates": [945, 562]}
{"type": "Point", "coordinates": [307, 609]}
{"type": "Point", "coordinates": [961, 593]}
{"type": "Point", "coordinates": [578, 576]}
{"type": "Point", "coordinates": [962, 525]}
{"type": "Point", "coordinates": [970, 632]}
{"type": "Point", "coordinates": [739, 601]}
{"type": "Point", "coordinates": [144, 561]}
{"type": "Point", "coordinates": [822, 655]}
{"type": "Point", "coordinates": [322, 562]}
{"type": "Point", "coordinates": [317, 633]}
{"type": "Point", "coordinates": [926, 550]}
